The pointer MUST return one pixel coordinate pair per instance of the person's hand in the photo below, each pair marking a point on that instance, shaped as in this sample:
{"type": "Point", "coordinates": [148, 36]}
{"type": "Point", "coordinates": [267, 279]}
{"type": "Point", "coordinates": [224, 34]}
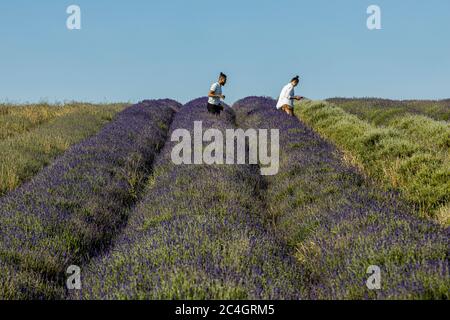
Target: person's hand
{"type": "Point", "coordinates": [222, 97]}
{"type": "Point", "coordinates": [299, 98]}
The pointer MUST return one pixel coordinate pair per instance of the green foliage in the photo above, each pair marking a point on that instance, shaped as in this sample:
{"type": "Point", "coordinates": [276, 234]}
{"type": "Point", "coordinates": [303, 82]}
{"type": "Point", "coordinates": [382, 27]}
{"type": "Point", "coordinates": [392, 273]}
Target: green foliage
{"type": "Point", "coordinates": [430, 134]}
{"type": "Point", "coordinates": [29, 145]}
{"type": "Point", "coordinates": [382, 111]}
{"type": "Point", "coordinates": [338, 222]}
{"type": "Point", "coordinates": [409, 153]}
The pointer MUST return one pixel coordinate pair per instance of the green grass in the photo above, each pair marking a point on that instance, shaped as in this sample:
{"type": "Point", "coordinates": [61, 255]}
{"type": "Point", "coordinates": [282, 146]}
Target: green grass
{"type": "Point", "coordinates": [427, 133]}
{"type": "Point", "coordinates": [410, 153]}
{"type": "Point", "coordinates": [35, 143]}
{"type": "Point", "coordinates": [15, 120]}
{"type": "Point", "coordinates": [382, 111]}
{"type": "Point", "coordinates": [338, 223]}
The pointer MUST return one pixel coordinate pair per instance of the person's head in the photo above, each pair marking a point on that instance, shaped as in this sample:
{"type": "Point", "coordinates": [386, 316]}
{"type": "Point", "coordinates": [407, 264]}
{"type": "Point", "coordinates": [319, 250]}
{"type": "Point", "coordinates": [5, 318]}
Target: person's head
{"type": "Point", "coordinates": [222, 79]}
{"type": "Point", "coordinates": [295, 81]}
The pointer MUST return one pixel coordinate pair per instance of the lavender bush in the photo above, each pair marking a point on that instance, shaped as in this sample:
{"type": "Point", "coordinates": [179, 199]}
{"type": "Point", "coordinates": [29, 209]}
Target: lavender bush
{"type": "Point", "coordinates": [201, 232]}
{"type": "Point", "coordinates": [410, 155]}
{"type": "Point", "coordinates": [32, 147]}
{"type": "Point", "coordinates": [338, 224]}
{"type": "Point", "coordinates": [72, 209]}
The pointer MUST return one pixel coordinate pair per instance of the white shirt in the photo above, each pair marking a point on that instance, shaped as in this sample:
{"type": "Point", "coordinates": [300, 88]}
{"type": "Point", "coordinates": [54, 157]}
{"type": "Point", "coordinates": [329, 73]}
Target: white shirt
{"type": "Point", "coordinates": [286, 96]}
{"type": "Point", "coordinates": [217, 89]}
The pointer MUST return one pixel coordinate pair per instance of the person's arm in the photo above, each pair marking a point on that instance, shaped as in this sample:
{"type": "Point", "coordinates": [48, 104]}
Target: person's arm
{"type": "Point", "coordinates": [286, 94]}
{"type": "Point", "coordinates": [212, 94]}
{"type": "Point", "coordinates": [292, 95]}
{"type": "Point", "coordinates": [289, 94]}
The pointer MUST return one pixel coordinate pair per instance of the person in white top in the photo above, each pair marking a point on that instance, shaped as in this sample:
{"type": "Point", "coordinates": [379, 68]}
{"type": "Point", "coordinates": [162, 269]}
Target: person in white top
{"type": "Point", "coordinates": [215, 95]}
{"type": "Point", "coordinates": [287, 97]}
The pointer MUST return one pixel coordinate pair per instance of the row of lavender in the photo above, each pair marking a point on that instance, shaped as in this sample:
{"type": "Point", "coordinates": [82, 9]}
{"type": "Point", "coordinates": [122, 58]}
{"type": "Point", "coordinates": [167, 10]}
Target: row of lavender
{"type": "Point", "coordinates": [71, 210]}
{"type": "Point", "coordinates": [338, 224]}
{"type": "Point", "coordinates": [199, 233]}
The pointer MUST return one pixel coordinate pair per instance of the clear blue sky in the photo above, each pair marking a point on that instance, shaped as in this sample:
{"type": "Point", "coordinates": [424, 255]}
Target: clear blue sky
{"type": "Point", "coordinates": [136, 49]}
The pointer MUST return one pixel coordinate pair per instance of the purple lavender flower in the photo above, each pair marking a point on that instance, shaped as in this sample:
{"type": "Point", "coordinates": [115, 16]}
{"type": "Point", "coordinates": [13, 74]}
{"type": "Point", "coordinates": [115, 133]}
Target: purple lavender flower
{"type": "Point", "coordinates": [339, 224]}
{"type": "Point", "coordinates": [73, 209]}
{"type": "Point", "coordinates": [201, 232]}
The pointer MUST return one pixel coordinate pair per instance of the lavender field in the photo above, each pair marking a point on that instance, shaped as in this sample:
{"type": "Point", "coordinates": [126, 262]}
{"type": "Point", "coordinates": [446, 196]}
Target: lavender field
{"type": "Point", "coordinates": [338, 223]}
{"type": "Point", "coordinates": [200, 232]}
{"type": "Point", "coordinates": [396, 147]}
{"type": "Point", "coordinates": [71, 210]}
{"type": "Point", "coordinates": [140, 226]}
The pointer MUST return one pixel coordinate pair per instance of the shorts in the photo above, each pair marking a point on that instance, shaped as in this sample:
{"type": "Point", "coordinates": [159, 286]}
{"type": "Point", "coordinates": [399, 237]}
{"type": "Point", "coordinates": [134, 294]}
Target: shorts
{"type": "Point", "coordinates": [214, 109]}
{"type": "Point", "coordinates": [288, 109]}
